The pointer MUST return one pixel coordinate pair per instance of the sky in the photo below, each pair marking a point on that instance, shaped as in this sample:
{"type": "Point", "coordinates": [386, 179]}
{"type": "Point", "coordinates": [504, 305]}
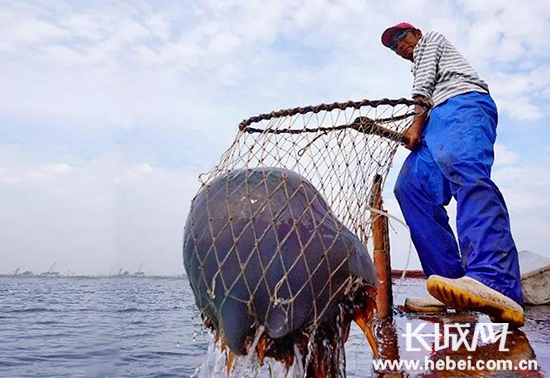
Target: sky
{"type": "Point", "coordinates": [109, 111]}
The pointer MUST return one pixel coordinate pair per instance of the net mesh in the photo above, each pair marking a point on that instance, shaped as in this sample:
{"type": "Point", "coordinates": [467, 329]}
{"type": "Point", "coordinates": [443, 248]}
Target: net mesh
{"type": "Point", "coordinates": [328, 148]}
{"type": "Point", "coordinates": [339, 151]}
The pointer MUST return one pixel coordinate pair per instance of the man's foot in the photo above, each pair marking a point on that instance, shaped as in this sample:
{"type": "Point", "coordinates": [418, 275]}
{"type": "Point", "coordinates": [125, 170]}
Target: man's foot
{"type": "Point", "coordinates": [467, 293]}
{"type": "Point", "coordinates": [426, 304]}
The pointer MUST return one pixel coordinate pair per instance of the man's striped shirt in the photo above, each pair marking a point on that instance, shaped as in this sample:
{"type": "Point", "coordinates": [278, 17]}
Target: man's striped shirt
{"type": "Point", "coordinates": [441, 72]}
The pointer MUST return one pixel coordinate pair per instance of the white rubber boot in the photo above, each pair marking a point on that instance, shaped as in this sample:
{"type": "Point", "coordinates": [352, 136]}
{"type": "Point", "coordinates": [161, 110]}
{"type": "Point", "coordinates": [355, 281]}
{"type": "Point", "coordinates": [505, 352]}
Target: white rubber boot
{"type": "Point", "coordinates": [467, 293]}
{"type": "Point", "coordinates": [425, 304]}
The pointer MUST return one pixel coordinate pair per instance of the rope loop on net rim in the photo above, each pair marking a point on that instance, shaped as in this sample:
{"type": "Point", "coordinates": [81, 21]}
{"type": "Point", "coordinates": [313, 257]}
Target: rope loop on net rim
{"type": "Point", "coordinates": [244, 125]}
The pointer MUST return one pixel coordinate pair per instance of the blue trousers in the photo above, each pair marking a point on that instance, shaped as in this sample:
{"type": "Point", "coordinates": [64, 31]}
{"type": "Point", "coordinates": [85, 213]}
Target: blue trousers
{"type": "Point", "coordinates": [455, 159]}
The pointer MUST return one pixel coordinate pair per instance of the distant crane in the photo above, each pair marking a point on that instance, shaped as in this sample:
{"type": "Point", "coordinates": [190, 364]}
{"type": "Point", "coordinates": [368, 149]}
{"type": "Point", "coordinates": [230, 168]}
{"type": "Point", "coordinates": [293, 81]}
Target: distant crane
{"type": "Point", "coordinates": [139, 273]}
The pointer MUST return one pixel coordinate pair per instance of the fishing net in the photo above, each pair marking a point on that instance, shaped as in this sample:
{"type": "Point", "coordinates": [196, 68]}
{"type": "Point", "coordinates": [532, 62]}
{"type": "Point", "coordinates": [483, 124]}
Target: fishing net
{"type": "Point", "coordinates": [315, 171]}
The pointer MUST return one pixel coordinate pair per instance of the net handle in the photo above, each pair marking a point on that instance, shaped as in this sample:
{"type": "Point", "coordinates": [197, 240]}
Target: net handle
{"type": "Point", "coordinates": [329, 107]}
{"type": "Point", "coordinates": [369, 126]}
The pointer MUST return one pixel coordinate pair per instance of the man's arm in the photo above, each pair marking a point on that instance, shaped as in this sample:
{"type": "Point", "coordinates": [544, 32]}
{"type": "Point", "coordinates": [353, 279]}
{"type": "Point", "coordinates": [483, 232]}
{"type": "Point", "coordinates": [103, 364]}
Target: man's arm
{"type": "Point", "coordinates": [414, 133]}
{"type": "Point", "coordinates": [425, 74]}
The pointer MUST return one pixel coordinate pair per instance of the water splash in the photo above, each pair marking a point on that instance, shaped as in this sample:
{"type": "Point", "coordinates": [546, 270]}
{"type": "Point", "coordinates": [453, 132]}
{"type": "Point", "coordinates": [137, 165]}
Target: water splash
{"type": "Point", "coordinates": [215, 365]}
{"type": "Point", "coordinates": [250, 366]}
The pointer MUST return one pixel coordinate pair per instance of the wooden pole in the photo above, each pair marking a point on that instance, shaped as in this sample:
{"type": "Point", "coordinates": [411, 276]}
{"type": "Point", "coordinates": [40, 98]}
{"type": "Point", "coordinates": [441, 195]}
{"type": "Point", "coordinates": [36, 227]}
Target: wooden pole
{"type": "Point", "coordinates": [381, 254]}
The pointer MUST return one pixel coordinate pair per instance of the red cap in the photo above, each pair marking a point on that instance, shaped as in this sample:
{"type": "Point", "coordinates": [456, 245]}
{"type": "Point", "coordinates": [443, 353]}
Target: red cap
{"type": "Point", "coordinates": [390, 33]}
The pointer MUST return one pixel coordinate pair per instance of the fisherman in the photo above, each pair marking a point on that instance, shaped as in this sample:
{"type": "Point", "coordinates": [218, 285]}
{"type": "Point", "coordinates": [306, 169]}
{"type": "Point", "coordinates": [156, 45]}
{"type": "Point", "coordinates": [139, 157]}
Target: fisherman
{"type": "Point", "coordinates": [452, 154]}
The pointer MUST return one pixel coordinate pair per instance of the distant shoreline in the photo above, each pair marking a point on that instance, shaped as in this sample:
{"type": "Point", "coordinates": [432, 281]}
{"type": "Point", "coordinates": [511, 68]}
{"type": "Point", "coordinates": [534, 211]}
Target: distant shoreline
{"type": "Point", "coordinates": [20, 276]}
{"type": "Point", "coordinates": [395, 273]}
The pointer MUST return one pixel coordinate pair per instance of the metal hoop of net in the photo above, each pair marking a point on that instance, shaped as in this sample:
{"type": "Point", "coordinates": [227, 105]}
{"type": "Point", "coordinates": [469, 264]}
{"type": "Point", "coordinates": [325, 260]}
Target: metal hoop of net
{"type": "Point", "coordinates": [338, 152]}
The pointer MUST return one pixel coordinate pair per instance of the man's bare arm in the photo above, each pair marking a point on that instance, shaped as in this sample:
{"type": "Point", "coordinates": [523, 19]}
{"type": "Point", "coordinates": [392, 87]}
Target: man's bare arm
{"type": "Point", "coordinates": [414, 132]}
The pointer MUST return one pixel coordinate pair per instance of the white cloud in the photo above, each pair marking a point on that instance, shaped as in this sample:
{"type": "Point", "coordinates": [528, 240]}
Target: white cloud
{"type": "Point", "coordinates": [516, 93]}
{"type": "Point", "coordinates": [96, 217]}
{"type": "Point", "coordinates": [504, 156]}
{"type": "Point", "coordinates": [60, 168]}
{"type": "Point", "coordinates": [114, 51]}
{"type": "Point", "coordinates": [21, 27]}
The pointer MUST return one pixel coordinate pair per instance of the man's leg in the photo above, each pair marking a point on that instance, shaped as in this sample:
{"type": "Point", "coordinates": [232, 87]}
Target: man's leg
{"type": "Point", "coordinates": [460, 137]}
{"type": "Point", "coordinates": [422, 192]}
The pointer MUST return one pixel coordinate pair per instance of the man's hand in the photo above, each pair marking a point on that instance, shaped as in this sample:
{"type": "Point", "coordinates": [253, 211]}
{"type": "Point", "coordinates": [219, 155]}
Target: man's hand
{"type": "Point", "coordinates": [413, 135]}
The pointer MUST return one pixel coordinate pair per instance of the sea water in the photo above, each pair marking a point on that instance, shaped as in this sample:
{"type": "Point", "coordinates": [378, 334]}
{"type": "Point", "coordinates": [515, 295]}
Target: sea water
{"type": "Point", "coordinates": [150, 327]}
{"type": "Point", "coordinates": [112, 327]}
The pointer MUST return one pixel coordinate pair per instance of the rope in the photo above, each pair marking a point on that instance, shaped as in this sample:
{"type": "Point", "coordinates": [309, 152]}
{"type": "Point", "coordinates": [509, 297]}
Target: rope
{"type": "Point", "coordinates": [330, 107]}
{"type": "Point", "coordinates": [390, 216]}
